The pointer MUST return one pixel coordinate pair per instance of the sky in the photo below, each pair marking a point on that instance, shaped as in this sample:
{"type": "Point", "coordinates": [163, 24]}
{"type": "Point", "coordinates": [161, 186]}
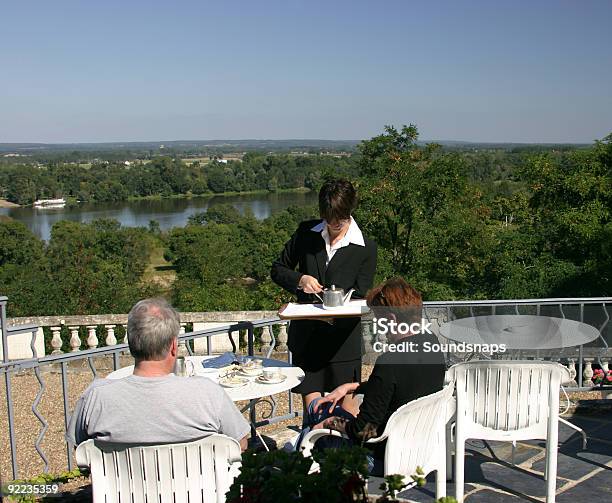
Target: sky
{"type": "Point", "coordinates": [480, 70]}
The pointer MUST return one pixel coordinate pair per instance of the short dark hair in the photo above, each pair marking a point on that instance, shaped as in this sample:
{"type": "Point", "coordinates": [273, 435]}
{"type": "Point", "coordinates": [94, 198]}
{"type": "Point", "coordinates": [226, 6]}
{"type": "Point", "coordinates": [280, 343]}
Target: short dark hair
{"type": "Point", "coordinates": [337, 199]}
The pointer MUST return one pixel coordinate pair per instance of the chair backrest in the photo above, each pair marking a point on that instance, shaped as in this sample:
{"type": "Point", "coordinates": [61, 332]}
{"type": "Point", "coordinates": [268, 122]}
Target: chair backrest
{"type": "Point", "coordinates": [416, 434]}
{"type": "Point", "coordinates": [198, 471]}
{"type": "Point", "coordinates": [513, 398]}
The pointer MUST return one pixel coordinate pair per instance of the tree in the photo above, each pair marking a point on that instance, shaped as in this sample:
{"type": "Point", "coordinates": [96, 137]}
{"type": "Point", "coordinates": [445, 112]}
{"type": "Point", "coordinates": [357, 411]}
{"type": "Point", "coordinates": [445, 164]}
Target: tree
{"type": "Point", "coordinates": [571, 206]}
{"type": "Point", "coordinates": [219, 214]}
{"type": "Point", "coordinates": [23, 269]}
{"type": "Point", "coordinates": [19, 245]}
{"type": "Point", "coordinates": [217, 180]}
{"type": "Point", "coordinates": [97, 267]}
{"type": "Point", "coordinates": [21, 190]}
{"type": "Point", "coordinates": [428, 220]}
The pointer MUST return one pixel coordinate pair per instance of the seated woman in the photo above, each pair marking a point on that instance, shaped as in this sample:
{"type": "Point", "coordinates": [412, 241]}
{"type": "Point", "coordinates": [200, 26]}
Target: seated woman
{"type": "Point", "coordinates": [397, 377]}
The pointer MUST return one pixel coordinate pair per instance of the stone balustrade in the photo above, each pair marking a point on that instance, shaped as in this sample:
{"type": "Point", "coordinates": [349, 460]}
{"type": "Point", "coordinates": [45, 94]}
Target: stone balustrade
{"type": "Point", "coordinates": [75, 333]}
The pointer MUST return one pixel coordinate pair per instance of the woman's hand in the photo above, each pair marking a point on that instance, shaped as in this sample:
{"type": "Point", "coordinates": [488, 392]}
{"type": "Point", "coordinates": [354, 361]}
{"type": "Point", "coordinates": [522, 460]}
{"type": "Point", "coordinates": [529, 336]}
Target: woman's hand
{"type": "Point", "coordinates": [335, 396]}
{"type": "Point", "coordinates": [309, 284]}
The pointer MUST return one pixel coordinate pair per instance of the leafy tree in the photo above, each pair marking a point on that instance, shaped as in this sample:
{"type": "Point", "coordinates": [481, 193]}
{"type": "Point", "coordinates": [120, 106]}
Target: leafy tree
{"type": "Point", "coordinates": [571, 204]}
{"type": "Point", "coordinates": [19, 245]}
{"type": "Point", "coordinates": [97, 267]}
{"type": "Point", "coordinates": [219, 214]}
{"type": "Point", "coordinates": [428, 221]}
{"type": "Point", "coordinates": [23, 269]}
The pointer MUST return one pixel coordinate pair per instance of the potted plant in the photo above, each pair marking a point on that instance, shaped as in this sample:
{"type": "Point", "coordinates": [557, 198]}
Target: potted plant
{"type": "Point", "coordinates": [603, 379]}
{"type": "Point", "coordinates": [283, 477]}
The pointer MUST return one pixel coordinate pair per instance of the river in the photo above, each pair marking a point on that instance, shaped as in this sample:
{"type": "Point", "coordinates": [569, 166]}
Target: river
{"type": "Point", "coordinates": [167, 212]}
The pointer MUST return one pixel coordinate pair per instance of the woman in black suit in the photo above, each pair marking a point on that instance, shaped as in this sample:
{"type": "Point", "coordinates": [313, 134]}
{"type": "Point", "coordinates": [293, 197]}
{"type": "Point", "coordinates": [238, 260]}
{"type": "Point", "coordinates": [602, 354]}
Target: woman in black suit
{"type": "Point", "coordinates": [326, 252]}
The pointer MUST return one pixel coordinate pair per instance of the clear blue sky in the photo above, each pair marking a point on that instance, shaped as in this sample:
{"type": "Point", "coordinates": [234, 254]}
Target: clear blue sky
{"type": "Point", "coordinates": [533, 71]}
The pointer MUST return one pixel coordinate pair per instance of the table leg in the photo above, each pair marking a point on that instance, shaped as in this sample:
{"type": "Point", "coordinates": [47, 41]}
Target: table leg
{"type": "Point", "coordinates": [252, 419]}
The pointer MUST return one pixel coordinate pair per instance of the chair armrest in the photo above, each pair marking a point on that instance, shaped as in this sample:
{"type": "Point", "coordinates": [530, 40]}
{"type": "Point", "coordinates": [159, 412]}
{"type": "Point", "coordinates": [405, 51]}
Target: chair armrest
{"type": "Point", "coordinates": [376, 440]}
{"type": "Point", "coordinates": [312, 436]}
{"type": "Point", "coordinates": [81, 454]}
{"type": "Point", "coordinates": [234, 469]}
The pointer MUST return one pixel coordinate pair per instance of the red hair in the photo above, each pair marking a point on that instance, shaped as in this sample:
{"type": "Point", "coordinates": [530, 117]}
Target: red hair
{"type": "Point", "coordinates": [394, 292]}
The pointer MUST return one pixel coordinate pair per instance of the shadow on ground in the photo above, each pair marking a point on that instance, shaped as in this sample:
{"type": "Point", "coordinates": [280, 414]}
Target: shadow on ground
{"type": "Point", "coordinates": [490, 475]}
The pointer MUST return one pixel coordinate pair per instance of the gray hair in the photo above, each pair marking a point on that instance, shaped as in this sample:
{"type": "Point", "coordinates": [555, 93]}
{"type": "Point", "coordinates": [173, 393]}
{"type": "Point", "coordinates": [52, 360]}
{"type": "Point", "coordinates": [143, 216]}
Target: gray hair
{"type": "Point", "coordinates": [152, 325]}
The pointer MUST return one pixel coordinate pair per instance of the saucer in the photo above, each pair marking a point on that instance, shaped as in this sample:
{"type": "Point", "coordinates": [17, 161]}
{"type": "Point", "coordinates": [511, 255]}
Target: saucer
{"type": "Point", "coordinates": [261, 379]}
{"type": "Point", "coordinates": [234, 382]}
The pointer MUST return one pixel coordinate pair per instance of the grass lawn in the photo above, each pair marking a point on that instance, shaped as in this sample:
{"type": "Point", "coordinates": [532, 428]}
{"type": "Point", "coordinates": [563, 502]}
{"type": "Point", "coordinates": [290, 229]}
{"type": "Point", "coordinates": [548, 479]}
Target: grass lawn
{"type": "Point", "coordinates": [159, 270]}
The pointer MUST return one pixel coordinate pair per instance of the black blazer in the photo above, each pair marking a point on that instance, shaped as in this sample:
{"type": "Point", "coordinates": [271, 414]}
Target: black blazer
{"type": "Point", "coordinates": [314, 343]}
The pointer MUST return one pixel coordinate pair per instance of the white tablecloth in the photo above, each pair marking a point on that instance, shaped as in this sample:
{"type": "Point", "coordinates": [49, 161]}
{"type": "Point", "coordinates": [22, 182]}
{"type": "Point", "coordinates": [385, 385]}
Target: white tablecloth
{"type": "Point", "coordinates": [250, 391]}
{"type": "Point", "coordinates": [520, 331]}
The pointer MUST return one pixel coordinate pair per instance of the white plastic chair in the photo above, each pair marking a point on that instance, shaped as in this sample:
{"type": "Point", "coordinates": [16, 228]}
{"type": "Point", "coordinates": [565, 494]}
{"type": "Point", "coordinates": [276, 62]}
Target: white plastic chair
{"type": "Point", "coordinates": [508, 400]}
{"type": "Point", "coordinates": [415, 435]}
{"type": "Point", "coordinates": [199, 471]}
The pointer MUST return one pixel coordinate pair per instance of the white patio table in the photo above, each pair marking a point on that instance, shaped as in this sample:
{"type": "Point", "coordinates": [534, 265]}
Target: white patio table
{"type": "Point", "coordinates": [520, 331]}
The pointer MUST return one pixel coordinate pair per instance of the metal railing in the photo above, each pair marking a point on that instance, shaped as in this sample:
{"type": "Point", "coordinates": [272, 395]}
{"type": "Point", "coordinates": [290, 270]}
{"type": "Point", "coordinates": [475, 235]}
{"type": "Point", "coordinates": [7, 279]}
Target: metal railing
{"type": "Point", "coordinates": [594, 311]}
{"type": "Point", "coordinates": [37, 364]}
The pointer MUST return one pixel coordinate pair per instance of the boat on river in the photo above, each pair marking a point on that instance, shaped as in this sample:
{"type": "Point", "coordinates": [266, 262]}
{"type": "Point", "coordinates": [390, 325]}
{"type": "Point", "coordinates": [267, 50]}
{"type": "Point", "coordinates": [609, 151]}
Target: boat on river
{"type": "Point", "coordinates": [50, 203]}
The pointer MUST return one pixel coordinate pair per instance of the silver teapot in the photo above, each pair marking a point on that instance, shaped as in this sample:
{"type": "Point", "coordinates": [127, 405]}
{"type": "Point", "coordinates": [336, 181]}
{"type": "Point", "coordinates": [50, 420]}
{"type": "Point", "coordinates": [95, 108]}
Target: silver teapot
{"type": "Point", "coordinates": [335, 297]}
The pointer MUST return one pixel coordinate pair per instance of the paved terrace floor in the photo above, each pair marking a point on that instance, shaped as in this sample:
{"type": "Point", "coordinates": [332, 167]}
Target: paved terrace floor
{"type": "Point", "coordinates": [582, 475]}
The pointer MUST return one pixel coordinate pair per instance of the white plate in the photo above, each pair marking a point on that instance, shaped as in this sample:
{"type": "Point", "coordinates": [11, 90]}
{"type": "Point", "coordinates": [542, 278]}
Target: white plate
{"type": "Point", "coordinates": [261, 379]}
{"type": "Point", "coordinates": [237, 382]}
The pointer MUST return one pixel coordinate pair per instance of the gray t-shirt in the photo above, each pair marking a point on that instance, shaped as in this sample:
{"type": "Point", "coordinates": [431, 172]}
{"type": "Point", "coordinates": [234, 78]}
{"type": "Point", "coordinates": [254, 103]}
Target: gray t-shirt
{"type": "Point", "coordinates": [154, 410]}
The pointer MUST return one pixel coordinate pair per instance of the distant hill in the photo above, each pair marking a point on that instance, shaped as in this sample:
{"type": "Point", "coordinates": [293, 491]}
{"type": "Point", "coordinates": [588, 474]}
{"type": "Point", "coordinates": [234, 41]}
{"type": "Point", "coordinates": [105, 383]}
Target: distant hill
{"type": "Point", "coordinates": [183, 145]}
{"type": "Point", "coordinates": [187, 147]}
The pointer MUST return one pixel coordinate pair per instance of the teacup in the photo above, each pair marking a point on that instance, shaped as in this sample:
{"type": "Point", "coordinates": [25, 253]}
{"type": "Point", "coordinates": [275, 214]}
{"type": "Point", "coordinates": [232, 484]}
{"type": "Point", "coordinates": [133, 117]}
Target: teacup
{"type": "Point", "coordinates": [252, 366]}
{"type": "Point", "coordinates": [272, 373]}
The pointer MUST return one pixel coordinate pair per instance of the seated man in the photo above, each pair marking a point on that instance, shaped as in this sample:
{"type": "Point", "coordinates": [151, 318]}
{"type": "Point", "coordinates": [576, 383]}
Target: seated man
{"type": "Point", "coordinates": [151, 406]}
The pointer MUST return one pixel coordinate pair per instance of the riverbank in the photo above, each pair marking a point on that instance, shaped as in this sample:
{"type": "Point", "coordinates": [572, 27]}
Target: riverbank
{"type": "Point", "coordinates": [168, 212]}
{"type": "Point", "coordinates": [209, 195]}
{"type": "Point", "coordinates": [7, 204]}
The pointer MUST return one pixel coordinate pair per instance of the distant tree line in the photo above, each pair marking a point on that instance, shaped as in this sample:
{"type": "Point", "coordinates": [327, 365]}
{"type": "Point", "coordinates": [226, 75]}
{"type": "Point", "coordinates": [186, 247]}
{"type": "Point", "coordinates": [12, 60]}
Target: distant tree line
{"type": "Point", "coordinates": [164, 176]}
{"type": "Point", "coordinates": [493, 170]}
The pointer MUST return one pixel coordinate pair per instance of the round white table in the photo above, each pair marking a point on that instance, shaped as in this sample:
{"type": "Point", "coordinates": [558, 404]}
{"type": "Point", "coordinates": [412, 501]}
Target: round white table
{"type": "Point", "coordinates": [253, 390]}
{"type": "Point", "coordinates": [520, 332]}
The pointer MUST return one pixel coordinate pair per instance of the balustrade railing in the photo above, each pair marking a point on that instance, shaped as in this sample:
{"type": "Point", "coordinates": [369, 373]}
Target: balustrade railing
{"type": "Point", "coordinates": [72, 339]}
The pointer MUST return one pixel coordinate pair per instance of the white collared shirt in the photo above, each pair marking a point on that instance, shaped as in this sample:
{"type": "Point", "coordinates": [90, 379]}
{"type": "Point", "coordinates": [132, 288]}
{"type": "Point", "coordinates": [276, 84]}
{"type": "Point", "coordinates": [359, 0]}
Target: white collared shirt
{"type": "Point", "coordinates": [353, 235]}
